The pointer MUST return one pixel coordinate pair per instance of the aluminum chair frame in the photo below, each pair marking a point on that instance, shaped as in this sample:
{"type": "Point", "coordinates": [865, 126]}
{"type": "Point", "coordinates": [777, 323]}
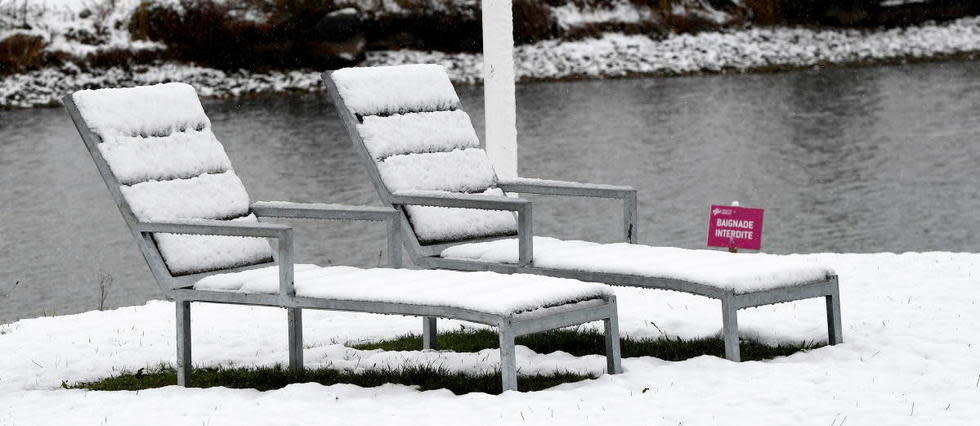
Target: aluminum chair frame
{"type": "Point", "coordinates": [179, 288]}
{"type": "Point", "coordinates": [428, 256]}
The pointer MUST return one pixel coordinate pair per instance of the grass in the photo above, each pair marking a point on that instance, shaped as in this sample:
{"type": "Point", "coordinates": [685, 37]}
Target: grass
{"type": "Point", "coordinates": [269, 378]}
{"type": "Point", "coordinates": [585, 342]}
{"type": "Point", "coordinates": [427, 377]}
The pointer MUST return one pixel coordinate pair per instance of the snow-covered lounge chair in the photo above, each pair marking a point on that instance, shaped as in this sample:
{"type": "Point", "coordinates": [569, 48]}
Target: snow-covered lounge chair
{"type": "Point", "coordinates": [424, 158]}
{"type": "Point", "coordinates": [200, 235]}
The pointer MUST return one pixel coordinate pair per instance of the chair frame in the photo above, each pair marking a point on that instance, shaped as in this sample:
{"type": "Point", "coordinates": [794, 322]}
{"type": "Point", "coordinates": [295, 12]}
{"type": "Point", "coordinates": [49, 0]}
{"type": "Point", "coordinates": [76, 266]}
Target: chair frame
{"type": "Point", "coordinates": [428, 256]}
{"type": "Point", "coordinates": [179, 288]}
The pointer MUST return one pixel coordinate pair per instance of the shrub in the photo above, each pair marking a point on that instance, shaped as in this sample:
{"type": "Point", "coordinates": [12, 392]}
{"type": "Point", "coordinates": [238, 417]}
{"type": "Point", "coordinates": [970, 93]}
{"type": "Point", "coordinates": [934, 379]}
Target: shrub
{"type": "Point", "coordinates": [295, 34]}
{"type": "Point", "coordinates": [532, 21]}
{"type": "Point", "coordinates": [21, 52]}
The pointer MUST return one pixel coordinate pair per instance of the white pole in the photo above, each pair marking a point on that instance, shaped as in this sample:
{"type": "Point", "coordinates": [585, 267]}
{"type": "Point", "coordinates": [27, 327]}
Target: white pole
{"type": "Point", "coordinates": [498, 86]}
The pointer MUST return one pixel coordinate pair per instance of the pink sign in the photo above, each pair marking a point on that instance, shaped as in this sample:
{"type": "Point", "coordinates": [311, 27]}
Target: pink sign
{"type": "Point", "coordinates": [735, 227]}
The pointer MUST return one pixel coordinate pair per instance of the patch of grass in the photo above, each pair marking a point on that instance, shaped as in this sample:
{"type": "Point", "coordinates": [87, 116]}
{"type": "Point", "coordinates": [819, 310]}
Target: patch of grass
{"type": "Point", "coordinates": [585, 342]}
{"type": "Point", "coordinates": [428, 377]}
{"type": "Point", "coordinates": [263, 379]}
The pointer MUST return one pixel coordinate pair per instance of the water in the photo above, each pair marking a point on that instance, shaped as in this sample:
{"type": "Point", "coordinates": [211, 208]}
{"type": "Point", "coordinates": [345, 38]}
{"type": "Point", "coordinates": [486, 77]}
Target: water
{"type": "Point", "coordinates": [846, 160]}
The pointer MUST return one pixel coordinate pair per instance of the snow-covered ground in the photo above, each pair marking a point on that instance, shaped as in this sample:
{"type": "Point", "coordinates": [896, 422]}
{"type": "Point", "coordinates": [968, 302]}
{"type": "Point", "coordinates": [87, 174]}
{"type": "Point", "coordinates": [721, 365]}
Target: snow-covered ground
{"type": "Point", "coordinates": [76, 27]}
{"type": "Point", "coordinates": [911, 356]}
{"type": "Point", "coordinates": [609, 56]}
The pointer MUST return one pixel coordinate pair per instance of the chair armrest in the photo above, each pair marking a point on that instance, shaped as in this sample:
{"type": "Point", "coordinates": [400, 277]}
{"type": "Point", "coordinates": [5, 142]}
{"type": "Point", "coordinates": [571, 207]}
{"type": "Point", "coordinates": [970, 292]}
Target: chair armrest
{"type": "Point", "coordinates": [577, 189]}
{"type": "Point", "coordinates": [453, 199]}
{"type": "Point", "coordinates": [391, 217]}
{"type": "Point", "coordinates": [322, 211]}
{"type": "Point", "coordinates": [557, 187]}
{"type": "Point", "coordinates": [216, 227]}
{"type": "Point", "coordinates": [282, 233]}
{"type": "Point", "coordinates": [525, 232]}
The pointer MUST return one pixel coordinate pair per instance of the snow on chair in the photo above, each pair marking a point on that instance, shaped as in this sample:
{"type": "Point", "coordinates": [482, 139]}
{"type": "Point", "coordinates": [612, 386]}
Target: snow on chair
{"type": "Point", "coordinates": [200, 235]}
{"type": "Point", "coordinates": [424, 158]}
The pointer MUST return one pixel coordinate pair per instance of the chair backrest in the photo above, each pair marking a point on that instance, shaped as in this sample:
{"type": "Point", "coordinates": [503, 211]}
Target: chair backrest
{"type": "Point", "coordinates": [415, 137]}
{"type": "Point", "coordinates": [156, 151]}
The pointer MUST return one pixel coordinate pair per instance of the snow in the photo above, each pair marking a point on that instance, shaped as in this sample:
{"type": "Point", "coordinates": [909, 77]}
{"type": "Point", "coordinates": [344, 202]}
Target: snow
{"type": "Point", "coordinates": [910, 357]}
{"type": "Point", "coordinates": [436, 224]}
{"type": "Point", "coordinates": [417, 133]}
{"type": "Point", "coordinates": [571, 15]}
{"type": "Point", "coordinates": [181, 155]}
{"type": "Point", "coordinates": [188, 254]}
{"type": "Point", "coordinates": [480, 291]}
{"type": "Point", "coordinates": [396, 90]}
{"type": "Point", "coordinates": [157, 110]}
{"type": "Point", "coordinates": [741, 273]}
{"type": "Point", "coordinates": [459, 170]}
{"type": "Point", "coordinates": [208, 196]}
{"type": "Point", "coordinates": [615, 55]}
{"type": "Point", "coordinates": [76, 27]}
{"type": "Point", "coordinates": [158, 143]}
{"type": "Point", "coordinates": [611, 55]}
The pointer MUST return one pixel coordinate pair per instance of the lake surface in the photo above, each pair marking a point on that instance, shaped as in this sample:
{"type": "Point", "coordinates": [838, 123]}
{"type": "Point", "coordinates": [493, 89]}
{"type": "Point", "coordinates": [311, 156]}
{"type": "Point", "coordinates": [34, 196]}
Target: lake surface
{"type": "Point", "coordinates": [844, 160]}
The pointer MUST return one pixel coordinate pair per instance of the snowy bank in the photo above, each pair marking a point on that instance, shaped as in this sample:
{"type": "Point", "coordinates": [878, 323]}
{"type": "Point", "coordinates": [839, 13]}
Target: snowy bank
{"type": "Point", "coordinates": [911, 355]}
{"type": "Point", "coordinates": [612, 55]}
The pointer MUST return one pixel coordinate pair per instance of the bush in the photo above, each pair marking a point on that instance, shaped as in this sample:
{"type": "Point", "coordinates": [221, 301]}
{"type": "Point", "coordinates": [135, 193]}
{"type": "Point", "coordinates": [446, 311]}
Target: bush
{"type": "Point", "coordinates": [450, 27]}
{"type": "Point", "coordinates": [21, 52]}
{"type": "Point", "coordinates": [532, 21]}
{"type": "Point", "coordinates": [295, 34]}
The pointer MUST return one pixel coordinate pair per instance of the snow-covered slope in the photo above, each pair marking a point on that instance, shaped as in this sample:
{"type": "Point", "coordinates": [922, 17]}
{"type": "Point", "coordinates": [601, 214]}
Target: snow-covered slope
{"type": "Point", "coordinates": [911, 356]}
{"type": "Point", "coordinates": [611, 55]}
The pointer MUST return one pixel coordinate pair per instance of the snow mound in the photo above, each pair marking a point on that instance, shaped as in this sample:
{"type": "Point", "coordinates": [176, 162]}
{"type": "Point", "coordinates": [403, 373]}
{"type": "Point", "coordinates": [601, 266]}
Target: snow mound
{"type": "Point", "coordinates": [741, 273]}
{"type": "Point", "coordinates": [478, 291]}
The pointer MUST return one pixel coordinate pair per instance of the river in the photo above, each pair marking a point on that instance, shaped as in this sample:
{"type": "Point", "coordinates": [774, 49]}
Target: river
{"type": "Point", "coordinates": [867, 159]}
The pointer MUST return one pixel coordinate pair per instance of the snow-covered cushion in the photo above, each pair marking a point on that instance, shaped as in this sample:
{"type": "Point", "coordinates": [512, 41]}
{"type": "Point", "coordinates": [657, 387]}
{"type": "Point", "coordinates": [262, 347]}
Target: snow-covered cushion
{"type": "Point", "coordinates": [396, 89]}
{"type": "Point", "coordinates": [159, 145]}
{"type": "Point", "coordinates": [466, 170]}
{"type": "Point", "coordinates": [412, 126]}
{"type": "Point", "coordinates": [156, 110]}
{"type": "Point", "coordinates": [741, 273]}
{"type": "Point", "coordinates": [208, 196]}
{"type": "Point", "coordinates": [188, 254]}
{"type": "Point", "coordinates": [438, 224]}
{"type": "Point", "coordinates": [438, 131]}
{"type": "Point", "coordinates": [479, 291]}
{"type": "Point", "coordinates": [185, 154]}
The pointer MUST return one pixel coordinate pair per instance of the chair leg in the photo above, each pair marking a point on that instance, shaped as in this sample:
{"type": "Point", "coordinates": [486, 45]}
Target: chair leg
{"type": "Point", "coordinates": [613, 355]}
{"type": "Point", "coordinates": [835, 333]}
{"type": "Point", "coordinates": [429, 333]}
{"type": "Point", "coordinates": [730, 329]}
{"type": "Point", "coordinates": [294, 318]}
{"type": "Point", "coordinates": [183, 343]}
{"type": "Point", "coordinates": [508, 360]}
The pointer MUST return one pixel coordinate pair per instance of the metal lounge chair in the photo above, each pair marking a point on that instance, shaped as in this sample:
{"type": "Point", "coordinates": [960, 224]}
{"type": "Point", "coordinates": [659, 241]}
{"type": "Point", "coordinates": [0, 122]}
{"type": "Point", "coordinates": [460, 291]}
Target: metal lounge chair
{"type": "Point", "coordinates": [424, 158]}
{"type": "Point", "coordinates": [200, 235]}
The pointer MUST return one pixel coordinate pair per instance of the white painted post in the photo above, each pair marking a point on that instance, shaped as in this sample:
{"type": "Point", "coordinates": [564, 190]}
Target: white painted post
{"type": "Point", "coordinates": [498, 86]}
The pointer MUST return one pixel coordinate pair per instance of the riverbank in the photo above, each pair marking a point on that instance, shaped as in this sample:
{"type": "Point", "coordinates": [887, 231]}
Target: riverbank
{"type": "Point", "coordinates": [608, 56]}
{"type": "Point", "coordinates": [910, 354]}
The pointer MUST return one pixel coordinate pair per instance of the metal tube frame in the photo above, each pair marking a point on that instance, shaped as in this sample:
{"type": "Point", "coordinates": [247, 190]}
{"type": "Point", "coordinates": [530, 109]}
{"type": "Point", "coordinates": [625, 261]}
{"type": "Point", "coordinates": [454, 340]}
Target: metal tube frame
{"type": "Point", "coordinates": [179, 288]}
{"type": "Point", "coordinates": [428, 255]}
